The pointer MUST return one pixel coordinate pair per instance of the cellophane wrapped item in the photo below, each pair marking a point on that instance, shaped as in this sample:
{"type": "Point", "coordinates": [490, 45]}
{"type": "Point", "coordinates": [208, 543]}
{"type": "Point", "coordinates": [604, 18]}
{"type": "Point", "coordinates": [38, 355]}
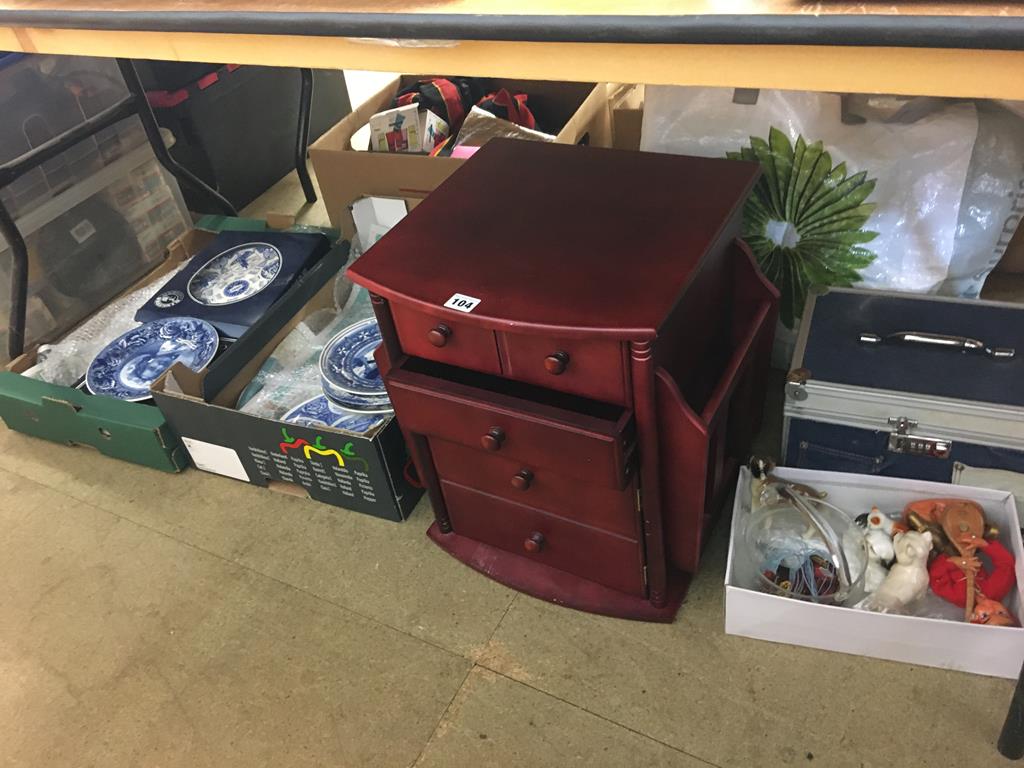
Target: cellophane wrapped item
{"type": "Point", "coordinates": [66, 361]}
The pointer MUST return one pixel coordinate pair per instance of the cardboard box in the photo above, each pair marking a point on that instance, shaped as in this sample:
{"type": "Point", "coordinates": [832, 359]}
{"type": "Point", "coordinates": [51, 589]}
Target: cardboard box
{"type": "Point", "coordinates": [983, 650]}
{"type": "Point", "coordinates": [627, 107]}
{"type": "Point", "coordinates": [135, 432]}
{"type": "Point", "coordinates": [345, 175]}
{"type": "Point", "coordinates": [365, 473]}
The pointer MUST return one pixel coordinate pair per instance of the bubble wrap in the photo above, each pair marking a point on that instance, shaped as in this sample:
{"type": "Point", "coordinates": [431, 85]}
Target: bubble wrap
{"type": "Point", "coordinates": [67, 361]}
{"type": "Point", "coordinates": [291, 375]}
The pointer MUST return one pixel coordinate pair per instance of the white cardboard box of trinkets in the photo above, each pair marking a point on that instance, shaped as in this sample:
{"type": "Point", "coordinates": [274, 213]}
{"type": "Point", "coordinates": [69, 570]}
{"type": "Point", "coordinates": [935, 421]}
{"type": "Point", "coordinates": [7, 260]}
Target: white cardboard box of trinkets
{"type": "Point", "coordinates": [949, 644]}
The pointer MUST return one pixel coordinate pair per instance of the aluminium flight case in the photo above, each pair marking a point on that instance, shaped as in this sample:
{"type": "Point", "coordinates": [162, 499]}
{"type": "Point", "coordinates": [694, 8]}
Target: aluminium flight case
{"type": "Point", "coordinates": [906, 386]}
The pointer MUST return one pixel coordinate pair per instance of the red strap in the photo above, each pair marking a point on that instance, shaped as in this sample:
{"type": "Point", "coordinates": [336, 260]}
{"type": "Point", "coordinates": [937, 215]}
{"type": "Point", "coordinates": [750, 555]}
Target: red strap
{"type": "Point", "coordinates": [515, 106]}
{"type": "Point", "coordinates": [166, 99]}
{"type": "Point", "coordinates": [206, 81]}
{"type": "Point", "coordinates": [407, 98]}
{"type": "Point", "coordinates": [452, 100]}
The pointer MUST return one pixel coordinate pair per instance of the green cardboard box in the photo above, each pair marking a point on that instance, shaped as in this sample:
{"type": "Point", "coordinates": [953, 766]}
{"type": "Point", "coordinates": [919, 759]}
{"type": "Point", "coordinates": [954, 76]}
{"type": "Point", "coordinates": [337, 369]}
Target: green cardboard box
{"type": "Point", "coordinates": [139, 432]}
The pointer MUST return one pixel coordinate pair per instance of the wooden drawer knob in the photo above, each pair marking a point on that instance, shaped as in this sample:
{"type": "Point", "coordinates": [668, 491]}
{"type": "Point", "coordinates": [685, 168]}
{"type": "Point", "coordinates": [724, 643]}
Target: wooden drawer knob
{"type": "Point", "coordinates": [522, 479]}
{"type": "Point", "coordinates": [438, 335]}
{"type": "Point", "coordinates": [556, 363]}
{"type": "Point", "coordinates": [534, 542]}
{"type": "Point", "coordinates": [493, 439]}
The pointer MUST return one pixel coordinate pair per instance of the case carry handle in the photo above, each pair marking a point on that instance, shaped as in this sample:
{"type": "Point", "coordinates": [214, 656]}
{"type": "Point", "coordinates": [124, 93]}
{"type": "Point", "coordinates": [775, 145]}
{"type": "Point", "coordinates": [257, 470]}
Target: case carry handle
{"type": "Point", "coordinates": [955, 343]}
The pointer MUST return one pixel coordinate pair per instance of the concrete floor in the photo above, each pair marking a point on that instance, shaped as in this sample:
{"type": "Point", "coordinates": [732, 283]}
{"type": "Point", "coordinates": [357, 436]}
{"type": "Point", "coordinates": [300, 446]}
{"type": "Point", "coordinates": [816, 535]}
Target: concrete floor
{"type": "Point", "coordinates": [192, 620]}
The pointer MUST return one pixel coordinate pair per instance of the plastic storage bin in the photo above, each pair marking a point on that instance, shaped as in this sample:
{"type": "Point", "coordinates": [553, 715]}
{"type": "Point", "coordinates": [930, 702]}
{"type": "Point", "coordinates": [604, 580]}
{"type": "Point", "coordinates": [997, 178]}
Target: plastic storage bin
{"type": "Point", "coordinates": [41, 97]}
{"type": "Point", "coordinates": [235, 127]}
{"type": "Point", "coordinates": [90, 241]}
{"type": "Point", "coordinates": [96, 216]}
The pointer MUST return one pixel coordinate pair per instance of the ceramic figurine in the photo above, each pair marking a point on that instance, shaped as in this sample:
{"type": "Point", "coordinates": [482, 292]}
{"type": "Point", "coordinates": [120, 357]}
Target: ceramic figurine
{"type": "Point", "coordinates": [878, 533]}
{"type": "Point", "coordinates": [991, 612]}
{"type": "Point", "coordinates": [907, 580]}
{"type": "Point", "coordinates": [761, 468]}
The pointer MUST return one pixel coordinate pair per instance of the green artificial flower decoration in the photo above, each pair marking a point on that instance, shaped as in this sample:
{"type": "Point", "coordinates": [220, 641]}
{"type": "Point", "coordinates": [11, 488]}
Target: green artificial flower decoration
{"type": "Point", "coordinates": [803, 220]}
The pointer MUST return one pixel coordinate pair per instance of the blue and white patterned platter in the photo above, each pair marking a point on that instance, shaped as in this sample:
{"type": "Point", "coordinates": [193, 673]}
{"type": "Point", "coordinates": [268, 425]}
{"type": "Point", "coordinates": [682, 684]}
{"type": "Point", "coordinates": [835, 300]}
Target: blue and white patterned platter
{"type": "Point", "coordinates": [320, 412]}
{"type": "Point", "coordinates": [130, 363]}
{"type": "Point", "coordinates": [347, 363]}
{"type": "Point", "coordinates": [350, 402]}
{"type": "Point", "coordinates": [236, 274]}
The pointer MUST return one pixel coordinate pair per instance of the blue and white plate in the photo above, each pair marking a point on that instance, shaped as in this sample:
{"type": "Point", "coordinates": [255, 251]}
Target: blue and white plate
{"type": "Point", "coordinates": [321, 412]}
{"type": "Point", "coordinates": [236, 274]}
{"type": "Point", "coordinates": [347, 363]}
{"type": "Point", "coordinates": [130, 363]}
{"type": "Point", "coordinates": [351, 402]}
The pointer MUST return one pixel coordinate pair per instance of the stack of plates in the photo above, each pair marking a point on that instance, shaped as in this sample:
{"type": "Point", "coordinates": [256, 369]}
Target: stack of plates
{"type": "Point", "coordinates": [354, 397]}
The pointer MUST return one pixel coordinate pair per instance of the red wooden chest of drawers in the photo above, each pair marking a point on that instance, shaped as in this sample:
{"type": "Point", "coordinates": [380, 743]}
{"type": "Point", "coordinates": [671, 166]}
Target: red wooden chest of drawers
{"type": "Point", "coordinates": [578, 410]}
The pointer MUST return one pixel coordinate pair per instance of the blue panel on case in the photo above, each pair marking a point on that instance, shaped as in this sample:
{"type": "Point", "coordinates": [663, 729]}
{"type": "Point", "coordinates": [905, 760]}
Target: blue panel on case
{"type": "Point", "coordinates": [235, 279]}
{"type": "Point", "coordinates": [835, 354]}
{"type": "Point", "coordinates": [836, 448]}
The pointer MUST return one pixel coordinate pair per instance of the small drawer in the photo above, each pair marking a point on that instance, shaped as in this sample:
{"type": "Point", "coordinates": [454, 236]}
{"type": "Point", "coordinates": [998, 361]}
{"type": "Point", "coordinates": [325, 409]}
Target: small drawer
{"type": "Point", "coordinates": [601, 557]}
{"type": "Point", "coordinates": [589, 367]}
{"type": "Point", "coordinates": [439, 337]}
{"type": "Point", "coordinates": [582, 439]}
{"type": "Point", "coordinates": [539, 487]}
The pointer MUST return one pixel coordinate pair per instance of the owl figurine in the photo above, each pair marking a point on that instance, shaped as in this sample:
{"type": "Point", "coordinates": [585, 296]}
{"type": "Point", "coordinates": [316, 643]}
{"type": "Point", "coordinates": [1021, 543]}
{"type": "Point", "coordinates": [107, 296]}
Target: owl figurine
{"type": "Point", "coordinates": [878, 532]}
{"type": "Point", "coordinates": [907, 580]}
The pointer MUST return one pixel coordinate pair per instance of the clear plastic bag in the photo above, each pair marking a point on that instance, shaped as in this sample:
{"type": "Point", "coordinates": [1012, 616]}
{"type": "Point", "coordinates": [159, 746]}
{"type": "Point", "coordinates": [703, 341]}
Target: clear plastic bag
{"type": "Point", "coordinates": [291, 374]}
{"type": "Point", "coordinates": [67, 361]}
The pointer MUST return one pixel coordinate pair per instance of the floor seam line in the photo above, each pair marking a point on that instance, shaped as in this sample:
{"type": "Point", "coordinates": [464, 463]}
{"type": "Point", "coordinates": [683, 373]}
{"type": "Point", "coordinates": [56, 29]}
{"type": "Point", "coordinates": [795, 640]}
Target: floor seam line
{"type": "Point", "coordinates": [250, 569]}
{"type": "Point", "coordinates": [487, 642]}
{"type": "Point", "coordinates": [444, 714]}
{"type": "Point", "coordinates": [600, 716]}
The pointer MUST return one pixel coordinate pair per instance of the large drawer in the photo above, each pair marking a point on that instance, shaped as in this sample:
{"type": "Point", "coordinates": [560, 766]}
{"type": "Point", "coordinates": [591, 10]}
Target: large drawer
{"type": "Point", "coordinates": [538, 487]}
{"type": "Point", "coordinates": [445, 339]}
{"type": "Point", "coordinates": [585, 440]}
{"type": "Point", "coordinates": [602, 557]}
{"type": "Point", "coordinates": [589, 367]}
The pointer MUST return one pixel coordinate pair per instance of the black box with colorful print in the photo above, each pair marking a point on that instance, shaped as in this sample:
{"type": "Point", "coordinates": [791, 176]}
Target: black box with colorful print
{"type": "Point", "coordinates": [368, 473]}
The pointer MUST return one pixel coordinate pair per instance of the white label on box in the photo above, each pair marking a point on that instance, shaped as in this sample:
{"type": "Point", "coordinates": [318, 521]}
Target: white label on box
{"type": "Point", "coordinates": [82, 231]}
{"type": "Point", "coordinates": [461, 302]}
{"type": "Point", "coordinates": [215, 458]}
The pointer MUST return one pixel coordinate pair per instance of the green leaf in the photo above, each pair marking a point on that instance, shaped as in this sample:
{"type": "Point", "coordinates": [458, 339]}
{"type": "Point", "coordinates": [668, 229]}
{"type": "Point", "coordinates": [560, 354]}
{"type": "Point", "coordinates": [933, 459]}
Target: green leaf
{"type": "Point", "coordinates": [827, 206]}
{"type": "Point", "coordinates": [782, 156]}
{"type": "Point", "coordinates": [819, 164]}
{"type": "Point", "coordinates": [848, 220]}
{"type": "Point", "coordinates": [849, 193]}
{"type": "Point", "coordinates": [769, 180]}
{"type": "Point", "coordinates": [797, 174]}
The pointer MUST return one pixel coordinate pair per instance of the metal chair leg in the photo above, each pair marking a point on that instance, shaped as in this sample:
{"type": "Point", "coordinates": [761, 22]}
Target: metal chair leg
{"type": "Point", "coordinates": [1011, 740]}
{"type": "Point", "coordinates": [19, 283]}
{"type": "Point", "coordinates": [180, 172]}
{"type": "Point", "coordinates": [302, 136]}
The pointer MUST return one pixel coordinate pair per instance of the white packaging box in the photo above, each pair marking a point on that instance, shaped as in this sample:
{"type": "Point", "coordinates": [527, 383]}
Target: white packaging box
{"type": "Point", "coordinates": [983, 650]}
{"type": "Point", "coordinates": [406, 129]}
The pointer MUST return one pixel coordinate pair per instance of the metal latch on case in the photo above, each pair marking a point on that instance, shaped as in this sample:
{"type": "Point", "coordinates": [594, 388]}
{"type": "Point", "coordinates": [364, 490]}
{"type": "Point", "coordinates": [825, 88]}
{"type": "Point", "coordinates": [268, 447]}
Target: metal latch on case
{"type": "Point", "coordinates": [902, 441]}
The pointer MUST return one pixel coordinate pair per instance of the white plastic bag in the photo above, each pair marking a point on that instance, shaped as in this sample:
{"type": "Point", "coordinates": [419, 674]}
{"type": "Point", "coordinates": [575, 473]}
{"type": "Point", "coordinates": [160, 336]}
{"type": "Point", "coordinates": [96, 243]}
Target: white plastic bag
{"type": "Point", "coordinates": [993, 200]}
{"type": "Point", "coordinates": [913, 174]}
